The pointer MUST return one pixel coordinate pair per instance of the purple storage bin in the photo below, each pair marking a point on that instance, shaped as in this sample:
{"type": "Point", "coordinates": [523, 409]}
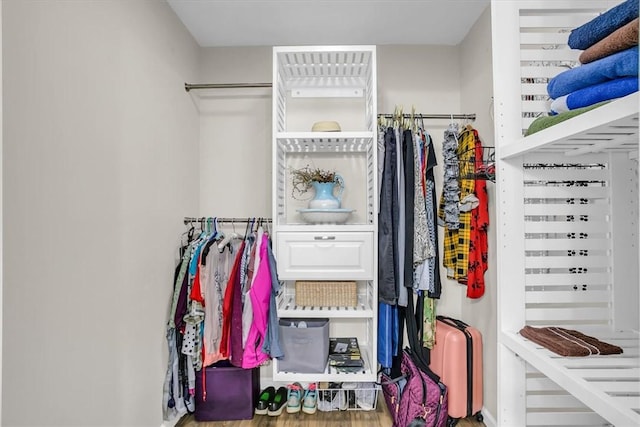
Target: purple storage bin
{"type": "Point", "coordinates": [232, 392]}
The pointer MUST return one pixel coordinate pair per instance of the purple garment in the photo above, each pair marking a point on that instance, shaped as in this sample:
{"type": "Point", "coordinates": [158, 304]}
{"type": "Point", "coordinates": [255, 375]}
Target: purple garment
{"type": "Point", "coordinates": [236, 349]}
{"type": "Point", "coordinates": [181, 307]}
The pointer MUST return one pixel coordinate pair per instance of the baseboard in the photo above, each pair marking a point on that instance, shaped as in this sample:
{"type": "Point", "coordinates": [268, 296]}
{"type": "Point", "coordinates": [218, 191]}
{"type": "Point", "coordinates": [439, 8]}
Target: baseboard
{"type": "Point", "coordinates": [173, 422]}
{"type": "Point", "coordinates": [488, 419]}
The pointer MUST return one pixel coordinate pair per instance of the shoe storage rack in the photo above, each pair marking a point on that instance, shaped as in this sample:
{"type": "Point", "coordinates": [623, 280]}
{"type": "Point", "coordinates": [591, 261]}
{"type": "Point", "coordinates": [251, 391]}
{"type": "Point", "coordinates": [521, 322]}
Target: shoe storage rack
{"type": "Point", "coordinates": [347, 396]}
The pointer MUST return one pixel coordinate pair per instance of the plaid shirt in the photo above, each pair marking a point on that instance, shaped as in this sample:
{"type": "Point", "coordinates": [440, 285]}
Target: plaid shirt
{"type": "Point", "coordinates": [456, 242]}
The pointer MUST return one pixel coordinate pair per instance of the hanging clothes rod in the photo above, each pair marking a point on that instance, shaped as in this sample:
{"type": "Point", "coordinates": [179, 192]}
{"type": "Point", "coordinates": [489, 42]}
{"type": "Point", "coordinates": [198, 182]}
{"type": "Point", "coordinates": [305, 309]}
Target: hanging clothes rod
{"type": "Point", "coordinates": [190, 86]}
{"type": "Point", "coordinates": [471, 117]}
{"type": "Point", "coordinates": [188, 219]}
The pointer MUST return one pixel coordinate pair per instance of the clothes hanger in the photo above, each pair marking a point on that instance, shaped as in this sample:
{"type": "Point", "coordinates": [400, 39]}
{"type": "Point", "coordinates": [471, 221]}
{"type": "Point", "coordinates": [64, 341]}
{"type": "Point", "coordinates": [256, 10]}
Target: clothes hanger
{"type": "Point", "coordinates": [228, 237]}
{"type": "Point", "coordinates": [414, 122]}
{"type": "Point", "coordinates": [396, 118]}
{"type": "Point", "coordinates": [189, 232]}
{"type": "Point", "coordinates": [249, 229]}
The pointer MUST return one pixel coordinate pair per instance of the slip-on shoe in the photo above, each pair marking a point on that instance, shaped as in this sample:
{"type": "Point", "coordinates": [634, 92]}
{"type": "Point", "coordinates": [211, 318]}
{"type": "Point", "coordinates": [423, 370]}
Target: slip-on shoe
{"type": "Point", "coordinates": [278, 402]}
{"type": "Point", "coordinates": [266, 397]}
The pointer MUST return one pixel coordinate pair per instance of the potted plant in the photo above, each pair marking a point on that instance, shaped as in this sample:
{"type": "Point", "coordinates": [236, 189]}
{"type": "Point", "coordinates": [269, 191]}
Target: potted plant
{"type": "Point", "coordinates": [324, 182]}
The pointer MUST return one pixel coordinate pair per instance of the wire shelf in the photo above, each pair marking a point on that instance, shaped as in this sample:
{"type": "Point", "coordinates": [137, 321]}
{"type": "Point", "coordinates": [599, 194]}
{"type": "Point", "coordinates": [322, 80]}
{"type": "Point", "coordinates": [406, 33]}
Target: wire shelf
{"type": "Point", "coordinates": [470, 168]}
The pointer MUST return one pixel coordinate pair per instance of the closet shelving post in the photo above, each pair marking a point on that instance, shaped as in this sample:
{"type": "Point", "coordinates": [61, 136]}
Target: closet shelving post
{"type": "Point", "coordinates": [567, 229]}
{"type": "Point", "coordinates": [320, 83]}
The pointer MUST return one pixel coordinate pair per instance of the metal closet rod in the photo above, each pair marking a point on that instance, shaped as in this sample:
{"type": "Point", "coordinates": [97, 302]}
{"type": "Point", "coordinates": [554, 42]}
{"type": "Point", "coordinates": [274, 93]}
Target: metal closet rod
{"type": "Point", "coordinates": [432, 116]}
{"type": "Point", "coordinates": [188, 219]}
{"type": "Point", "coordinates": [191, 86]}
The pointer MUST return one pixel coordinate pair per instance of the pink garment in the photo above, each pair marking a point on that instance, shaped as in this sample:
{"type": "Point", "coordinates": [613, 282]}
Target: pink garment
{"type": "Point", "coordinates": [260, 294]}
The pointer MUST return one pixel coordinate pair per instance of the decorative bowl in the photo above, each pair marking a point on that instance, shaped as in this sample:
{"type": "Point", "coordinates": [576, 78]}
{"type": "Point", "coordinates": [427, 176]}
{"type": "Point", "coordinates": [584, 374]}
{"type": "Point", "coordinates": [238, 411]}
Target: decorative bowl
{"type": "Point", "coordinates": [325, 216]}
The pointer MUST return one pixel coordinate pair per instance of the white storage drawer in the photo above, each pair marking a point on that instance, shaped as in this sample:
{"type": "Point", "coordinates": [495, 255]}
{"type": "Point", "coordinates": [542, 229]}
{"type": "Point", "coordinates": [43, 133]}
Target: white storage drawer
{"type": "Point", "coordinates": [325, 255]}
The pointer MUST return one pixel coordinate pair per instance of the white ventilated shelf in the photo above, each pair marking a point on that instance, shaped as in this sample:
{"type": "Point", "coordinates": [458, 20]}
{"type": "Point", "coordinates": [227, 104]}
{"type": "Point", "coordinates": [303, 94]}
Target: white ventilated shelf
{"type": "Point", "coordinates": [287, 307]}
{"type": "Point", "coordinates": [304, 142]}
{"type": "Point", "coordinates": [610, 385]}
{"type": "Point", "coordinates": [325, 66]}
{"type": "Point", "coordinates": [367, 374]}
{"type": "Point", "coordinates": [364, 308]}
{"type": "Point", "coordinates": [611, 127]}
{"type": "Point", "coordinates": [326, 228]}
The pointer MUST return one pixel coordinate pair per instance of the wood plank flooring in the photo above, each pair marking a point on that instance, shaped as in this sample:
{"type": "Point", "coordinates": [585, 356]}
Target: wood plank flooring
{"type": "Point", "coordinates": [378, 418]}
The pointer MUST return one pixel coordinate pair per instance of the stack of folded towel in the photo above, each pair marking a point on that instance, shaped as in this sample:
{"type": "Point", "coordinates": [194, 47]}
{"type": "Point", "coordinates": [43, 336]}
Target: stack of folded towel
{"type": "Point", "coordinates": [568, 342]}
{"type": "Point", "coordinates": [609, 61]}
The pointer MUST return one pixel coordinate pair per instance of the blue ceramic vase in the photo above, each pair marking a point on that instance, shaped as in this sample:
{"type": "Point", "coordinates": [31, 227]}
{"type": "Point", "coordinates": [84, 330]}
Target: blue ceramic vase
{"type": "Point", "coordinates": [326, 194]}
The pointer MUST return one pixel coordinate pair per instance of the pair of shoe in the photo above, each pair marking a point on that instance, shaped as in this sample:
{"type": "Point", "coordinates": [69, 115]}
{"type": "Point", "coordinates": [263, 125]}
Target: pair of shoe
{"type": "Point", "coordinates": [333, 398]}
{"type": "Point", "coordinates": [271, 401]}
{"type": "Point", "coordinates": [299, 399]}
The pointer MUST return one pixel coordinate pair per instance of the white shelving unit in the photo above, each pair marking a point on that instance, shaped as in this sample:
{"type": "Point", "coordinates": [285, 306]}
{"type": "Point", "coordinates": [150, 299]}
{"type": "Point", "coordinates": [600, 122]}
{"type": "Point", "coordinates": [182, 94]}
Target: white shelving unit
{"type": "Point", "coordinates": [310, 84]}
{"type": "Point", "coordinates": [567, 229]}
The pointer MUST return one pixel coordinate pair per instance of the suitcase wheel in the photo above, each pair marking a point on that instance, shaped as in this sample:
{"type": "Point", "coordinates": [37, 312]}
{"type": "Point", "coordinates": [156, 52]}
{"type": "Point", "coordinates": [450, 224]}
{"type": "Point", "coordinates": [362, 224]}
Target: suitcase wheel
{"type": "Point", "coordinates": [479, 417]}
{"type": "Point", "coordinates": [451, 422]}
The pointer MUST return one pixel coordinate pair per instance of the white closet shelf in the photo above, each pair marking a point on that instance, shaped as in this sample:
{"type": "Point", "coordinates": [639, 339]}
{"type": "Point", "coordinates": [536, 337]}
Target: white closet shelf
{"type": "Point", "coordinates": [610, 385]}
{"type": "Point", "coordinates": [611, 127]}
{"type": "Point", "coordinates": [312, 64]}
{"type": "Point", "coordinates": [287, 307]}
{"type": "Point", "coordinates": [331, 374]}
{"type": "Point", "coordinates": [300, 142]}
{"type": "Point", "coordinates": [327, 228]}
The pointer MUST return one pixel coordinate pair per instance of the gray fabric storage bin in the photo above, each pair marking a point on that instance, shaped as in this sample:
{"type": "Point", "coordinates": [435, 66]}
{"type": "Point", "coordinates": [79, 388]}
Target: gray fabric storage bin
{"type": "Point", "coordinates": [305, 349]}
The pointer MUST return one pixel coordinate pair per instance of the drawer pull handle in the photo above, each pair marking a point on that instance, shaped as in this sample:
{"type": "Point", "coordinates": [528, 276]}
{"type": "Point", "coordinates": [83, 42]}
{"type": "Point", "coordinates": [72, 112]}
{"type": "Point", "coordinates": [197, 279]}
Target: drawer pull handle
{"type": "Point", "coordinates": [325, 237]}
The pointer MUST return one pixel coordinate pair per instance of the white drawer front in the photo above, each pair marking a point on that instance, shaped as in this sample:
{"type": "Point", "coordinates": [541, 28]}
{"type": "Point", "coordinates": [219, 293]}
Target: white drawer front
{"type": "Point", "coordinates": [325, 256]}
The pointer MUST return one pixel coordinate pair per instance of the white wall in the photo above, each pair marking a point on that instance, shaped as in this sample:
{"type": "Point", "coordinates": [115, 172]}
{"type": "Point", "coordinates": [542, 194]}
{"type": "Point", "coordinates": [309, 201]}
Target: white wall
{"type": "Point", "coordinates": [100, 166]}
{"type": "Point", "coordinates": [476, 83]}
{"type": "Point", "coordinates": [235, 129]}
{"type": "Point", "coordinates": [1, 248]}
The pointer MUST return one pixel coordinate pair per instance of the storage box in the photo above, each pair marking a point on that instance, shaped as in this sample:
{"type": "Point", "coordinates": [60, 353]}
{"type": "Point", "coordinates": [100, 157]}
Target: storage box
{"type": "Point", "coordinates": [326, 294]}
{"type": "Point", "coordinates": [232, 392]}
{"type": "Point", "coordinates": [306, 349]}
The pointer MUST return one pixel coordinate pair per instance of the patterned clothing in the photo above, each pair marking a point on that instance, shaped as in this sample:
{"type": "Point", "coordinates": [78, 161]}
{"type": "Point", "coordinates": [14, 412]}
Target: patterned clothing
{"type": "Point", "coordinates": [478, 248]}
{"type": "Point", "coordinates": [429, 323]}
{"type": "Point", "coordinates": [435, 285]}
{"type": "Point", "coordinates": [450, 189]}
{"type": "Point", "coordinates": [421, 241]}
{"type": "Point", "coordinates": [456, 241]}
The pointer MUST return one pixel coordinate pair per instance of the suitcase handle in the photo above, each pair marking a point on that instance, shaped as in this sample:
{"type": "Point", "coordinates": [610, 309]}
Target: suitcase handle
{"type": "Point", "coordinates": [453, 322]}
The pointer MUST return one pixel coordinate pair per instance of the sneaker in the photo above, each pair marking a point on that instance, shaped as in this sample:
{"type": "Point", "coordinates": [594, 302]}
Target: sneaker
{"type": "Point", "coordinates": [266, 397]}
{"type": "Point", "coordinates": [349, 390]}
{"type": "Point", "coordinates": [294, 398]}
{"type": "Point", "coordinates": [276, 405]}
{"type": "Point", "coordinates": [332, 398]}
{"type": "Point", "coordinates": [310, 400]}
{"type": "Point", "coordinates": [366, 395]}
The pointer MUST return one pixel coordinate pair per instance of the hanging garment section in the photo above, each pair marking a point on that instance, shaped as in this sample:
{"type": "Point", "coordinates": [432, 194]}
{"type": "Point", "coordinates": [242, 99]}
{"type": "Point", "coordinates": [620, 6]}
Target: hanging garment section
{"type": "Point", "coordinates": [464, 207]}
{"type": "Point", "coordinates": [408, 247]}
{"type": "Point", "coordinates": [222, 307]}
{"type": "Point", "coordinates": [407, 235]}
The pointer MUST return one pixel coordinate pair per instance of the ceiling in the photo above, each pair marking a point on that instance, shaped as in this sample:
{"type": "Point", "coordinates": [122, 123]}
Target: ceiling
{"type": "Point", "coordinates": [327, 22]}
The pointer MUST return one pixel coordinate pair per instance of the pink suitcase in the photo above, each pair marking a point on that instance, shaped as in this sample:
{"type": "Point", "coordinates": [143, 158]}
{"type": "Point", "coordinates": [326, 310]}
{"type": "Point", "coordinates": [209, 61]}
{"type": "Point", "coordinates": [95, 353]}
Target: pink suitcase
{"type": "Point", "coordinates": [457, 359]}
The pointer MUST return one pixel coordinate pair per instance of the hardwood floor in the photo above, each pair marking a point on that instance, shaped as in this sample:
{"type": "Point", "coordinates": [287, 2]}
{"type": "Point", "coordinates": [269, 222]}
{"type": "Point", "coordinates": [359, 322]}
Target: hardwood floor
{"type": "Point", "coordinates": [378, 418]}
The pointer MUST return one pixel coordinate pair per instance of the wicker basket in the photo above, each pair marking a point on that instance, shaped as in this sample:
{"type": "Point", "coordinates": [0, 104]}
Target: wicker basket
{"type": "Point", "coordinates": [326, 294]}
